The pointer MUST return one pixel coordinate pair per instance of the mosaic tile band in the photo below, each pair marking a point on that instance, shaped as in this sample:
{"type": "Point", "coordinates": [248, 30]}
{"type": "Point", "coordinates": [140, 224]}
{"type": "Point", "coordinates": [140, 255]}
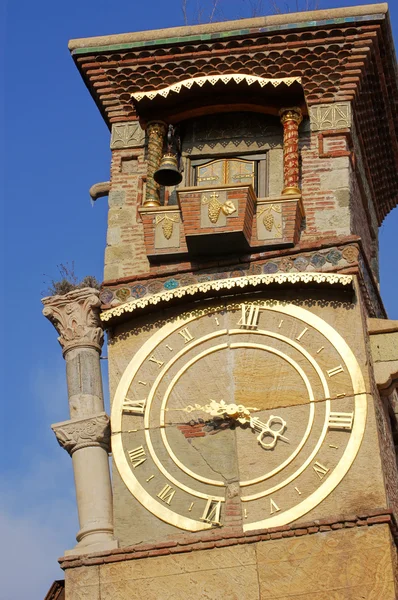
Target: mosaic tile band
{"type": "Point", "coordinates": [227, 284]}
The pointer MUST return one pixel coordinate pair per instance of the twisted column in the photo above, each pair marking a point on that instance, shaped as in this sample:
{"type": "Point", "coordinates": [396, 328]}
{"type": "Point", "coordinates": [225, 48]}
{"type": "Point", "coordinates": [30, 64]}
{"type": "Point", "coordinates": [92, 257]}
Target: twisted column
{"type": "Point", "coordinates": [86, 436]}
{"type": "Point", "coordinates": [156, 131]}
{"type": "Point", "coordinates": [291, 119]}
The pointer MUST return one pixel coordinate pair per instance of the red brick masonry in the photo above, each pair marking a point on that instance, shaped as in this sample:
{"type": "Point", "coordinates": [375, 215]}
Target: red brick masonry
{"type": "Point", "coordinates": [217, 538]}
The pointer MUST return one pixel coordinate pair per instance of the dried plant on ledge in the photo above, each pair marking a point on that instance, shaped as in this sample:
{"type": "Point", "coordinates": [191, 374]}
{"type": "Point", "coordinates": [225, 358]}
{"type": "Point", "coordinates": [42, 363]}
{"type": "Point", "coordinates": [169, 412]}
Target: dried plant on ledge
{"type": "Point", "coordinates": [69, 281]}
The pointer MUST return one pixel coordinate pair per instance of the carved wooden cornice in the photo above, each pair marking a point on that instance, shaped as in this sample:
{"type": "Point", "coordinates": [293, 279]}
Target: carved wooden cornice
{"type": "Point", "coordinates": [76, 318]}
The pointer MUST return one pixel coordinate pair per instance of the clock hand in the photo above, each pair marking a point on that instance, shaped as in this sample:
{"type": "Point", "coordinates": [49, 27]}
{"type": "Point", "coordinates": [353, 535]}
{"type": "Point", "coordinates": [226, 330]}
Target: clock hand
{"type": "Point", "coordinates": [265, 430]}
{"type": "Point", "coordinates": [221, 410]}
{"type": "Point", "coordinates": [240, 413]}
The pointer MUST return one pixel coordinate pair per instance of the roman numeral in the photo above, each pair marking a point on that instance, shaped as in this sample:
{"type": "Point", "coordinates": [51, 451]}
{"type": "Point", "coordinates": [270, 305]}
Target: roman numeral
{"type": "Point", "coordinates": [186, 334]}
{"type": "Point", "coordinates": [158, 362]}
{"type": "Point", "coordinates": [212, 512]}
{"type": "Point", "coordinates": [134, 407]}
{"type": "Point", "coordinates": [166, 494]}
{"type": "Point", "coordinates": [137, 456]}
{"type": "Point", "coordinates": [341, 420]}
{"type": "Point", "coordinates": [274, 508]}
{"type": "Point", "coordinates": [335, 371]}
{"type": "Point", "coordinates": [250, 316]}
{"type": "Point", "coordinates": [320, 470]}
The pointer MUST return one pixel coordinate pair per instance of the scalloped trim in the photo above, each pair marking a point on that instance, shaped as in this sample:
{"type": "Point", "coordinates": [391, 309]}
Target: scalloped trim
{"type": "Point", "coordinates": [226, 284]}
{"type": "Point", "coordinates": [213, 79]}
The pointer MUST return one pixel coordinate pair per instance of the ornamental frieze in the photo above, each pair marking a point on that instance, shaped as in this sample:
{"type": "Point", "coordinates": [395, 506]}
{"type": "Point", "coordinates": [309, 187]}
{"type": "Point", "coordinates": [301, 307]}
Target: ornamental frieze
{"type": "Point", "coordinates": [319, 261]}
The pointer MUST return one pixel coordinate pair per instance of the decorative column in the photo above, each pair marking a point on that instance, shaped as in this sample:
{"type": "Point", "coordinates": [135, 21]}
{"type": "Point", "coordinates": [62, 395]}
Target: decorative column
{"type": "Point", "coordinates": [291, 119]}
{"type": "Point", "coordinates": [86, 436]}
{"type": "Point", "coordinates": [156, 131]}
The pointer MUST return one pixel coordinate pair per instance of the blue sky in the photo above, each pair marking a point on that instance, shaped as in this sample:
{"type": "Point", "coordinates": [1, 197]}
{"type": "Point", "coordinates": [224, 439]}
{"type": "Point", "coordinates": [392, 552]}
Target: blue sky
{"type": "Point", "coordinates": [56, 146]}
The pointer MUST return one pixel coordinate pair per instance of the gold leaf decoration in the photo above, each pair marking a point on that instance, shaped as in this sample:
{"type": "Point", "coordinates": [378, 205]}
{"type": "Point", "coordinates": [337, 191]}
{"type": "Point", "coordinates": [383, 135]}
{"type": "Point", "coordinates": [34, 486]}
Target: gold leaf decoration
{"type": "Point", "coordinates": [167, 224]}
{"type": "Point", "coordinates": [167, 227]}
{"type": "Point", "coordinates": [215, 207]}
{"type": "Point", "coordinates": [268, 220]}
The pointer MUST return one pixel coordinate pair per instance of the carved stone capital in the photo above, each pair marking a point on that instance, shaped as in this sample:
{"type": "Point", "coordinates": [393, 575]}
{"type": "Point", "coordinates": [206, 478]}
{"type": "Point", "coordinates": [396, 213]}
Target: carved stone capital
{"type": "Point", "coordinates": [83, 433]}
{"type": "Point", "coordinates": [76, 318]}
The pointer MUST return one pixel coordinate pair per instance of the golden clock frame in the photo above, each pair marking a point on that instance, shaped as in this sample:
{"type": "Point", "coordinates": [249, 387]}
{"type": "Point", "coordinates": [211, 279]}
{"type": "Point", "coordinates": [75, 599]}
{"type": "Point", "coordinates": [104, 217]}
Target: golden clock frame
{"type": "Point", "coordinates": [300, 509]}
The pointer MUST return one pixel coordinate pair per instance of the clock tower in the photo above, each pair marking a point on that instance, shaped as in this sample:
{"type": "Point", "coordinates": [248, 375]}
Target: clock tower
{"type": "Point", "coordinates": [252, 367]}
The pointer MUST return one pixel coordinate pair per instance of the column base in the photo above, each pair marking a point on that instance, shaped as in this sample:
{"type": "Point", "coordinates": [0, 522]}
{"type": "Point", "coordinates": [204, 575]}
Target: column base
{"type": "Point", "coordinates": [90, 546]}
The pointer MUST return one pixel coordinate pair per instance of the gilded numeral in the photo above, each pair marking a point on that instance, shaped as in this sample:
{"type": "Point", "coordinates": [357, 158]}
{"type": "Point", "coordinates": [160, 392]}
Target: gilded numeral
{"type": "Point", "coordinates": [134, 407]}
{"type": "Point", "coordinates": [212, 512]}
{"type": "Point", "coordinates": [335, 371]}
{"type": "Point", "coordinates": [166, 494]}
{"type": "Point", "coordinates": [302, 333]}
{"type": "Point", "coordinates": [274, 508]}
{"type": "Point", "coordinates": [137, 456]}
{"type": "Point", "coordinates": [341, 420]}
{"type": "Point", "coordinates": [249, 317]}
{"type": "Point", "coordinates": [158, 362]}
{"type": "Point", "coordinates": [320, 470]}
{"type": "Point", "coordinates": [186, 334]}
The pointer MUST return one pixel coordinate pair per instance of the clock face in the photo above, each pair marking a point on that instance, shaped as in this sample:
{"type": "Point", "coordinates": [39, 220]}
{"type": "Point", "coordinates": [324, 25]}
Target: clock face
{"type": "Point", "coordinates": [256, 403]}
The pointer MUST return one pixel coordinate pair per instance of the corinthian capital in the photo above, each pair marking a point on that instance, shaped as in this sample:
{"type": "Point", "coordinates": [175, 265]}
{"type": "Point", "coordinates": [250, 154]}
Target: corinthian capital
{"type": "Point", "coordinates": [83, 433]}
{"type": "Point", "coordinates": [76, 318]}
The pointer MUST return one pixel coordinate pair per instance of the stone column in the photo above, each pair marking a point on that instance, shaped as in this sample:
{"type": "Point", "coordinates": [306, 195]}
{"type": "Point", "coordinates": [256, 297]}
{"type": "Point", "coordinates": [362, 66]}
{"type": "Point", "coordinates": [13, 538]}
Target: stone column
{"type": "Point", "coordinates": [156, 131]}
{"type": "Point", "coordinates": [291, 119]}
{"type": "Point", "coordinates": [86, 436]}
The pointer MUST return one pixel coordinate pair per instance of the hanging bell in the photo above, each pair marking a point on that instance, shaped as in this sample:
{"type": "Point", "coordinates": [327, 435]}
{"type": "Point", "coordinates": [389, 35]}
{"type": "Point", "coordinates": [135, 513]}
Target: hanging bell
{"type": "Point", "coordinates": [168, 173]}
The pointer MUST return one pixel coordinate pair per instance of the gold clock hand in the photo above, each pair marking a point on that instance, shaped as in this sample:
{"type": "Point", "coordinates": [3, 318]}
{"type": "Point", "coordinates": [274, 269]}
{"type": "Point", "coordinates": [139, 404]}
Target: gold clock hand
{"type": "Point", "coordinates": [265, 430]}
{"type": "Point", "coordinates": [223, 410]}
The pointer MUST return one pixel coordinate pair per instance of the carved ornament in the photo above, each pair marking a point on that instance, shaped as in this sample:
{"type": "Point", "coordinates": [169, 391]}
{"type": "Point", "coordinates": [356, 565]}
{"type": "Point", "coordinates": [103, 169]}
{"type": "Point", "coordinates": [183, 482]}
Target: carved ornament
{"type": "Point", "coordinates": [252, 281]}
{"type": "Point", "coordinates": [213, 79]}
{"type": "Point", "coordinates": [167, 222]}
{"type": "Point", "coordinates": [127, 135]}
{"type": "Point", "coordinates": [76, 318]}
{"type": "Point", "coordinates": [83, 433]}
{"type": "Point", "coordinates": [268, 218]}
{"type": "Point", "coordinates": [215, 207]}
{"type": "Point", "coordinates": [330, 116]}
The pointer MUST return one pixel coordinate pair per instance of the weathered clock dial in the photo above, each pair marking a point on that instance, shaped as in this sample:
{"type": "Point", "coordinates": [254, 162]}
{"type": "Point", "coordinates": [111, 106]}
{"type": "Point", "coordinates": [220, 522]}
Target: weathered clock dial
{"type": "Point", "coordinates": [259, 396]}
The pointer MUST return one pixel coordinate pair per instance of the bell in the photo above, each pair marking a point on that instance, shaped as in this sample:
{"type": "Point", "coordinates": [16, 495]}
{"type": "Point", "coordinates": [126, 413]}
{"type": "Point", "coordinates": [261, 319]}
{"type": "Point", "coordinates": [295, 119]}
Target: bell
{"type": "Point", "coordinates": [168, 174]}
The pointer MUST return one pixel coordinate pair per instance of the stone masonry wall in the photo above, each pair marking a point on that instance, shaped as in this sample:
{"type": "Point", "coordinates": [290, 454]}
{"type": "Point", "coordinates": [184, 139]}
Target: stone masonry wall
{"type": "Point", "coordinates": [125, 253]}
{"type": "Point", "coordinates": [335, 561]}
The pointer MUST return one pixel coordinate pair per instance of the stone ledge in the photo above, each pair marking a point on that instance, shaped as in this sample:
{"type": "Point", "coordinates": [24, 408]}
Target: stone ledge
{"type": "Point", "coordinates": [217, 539]}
